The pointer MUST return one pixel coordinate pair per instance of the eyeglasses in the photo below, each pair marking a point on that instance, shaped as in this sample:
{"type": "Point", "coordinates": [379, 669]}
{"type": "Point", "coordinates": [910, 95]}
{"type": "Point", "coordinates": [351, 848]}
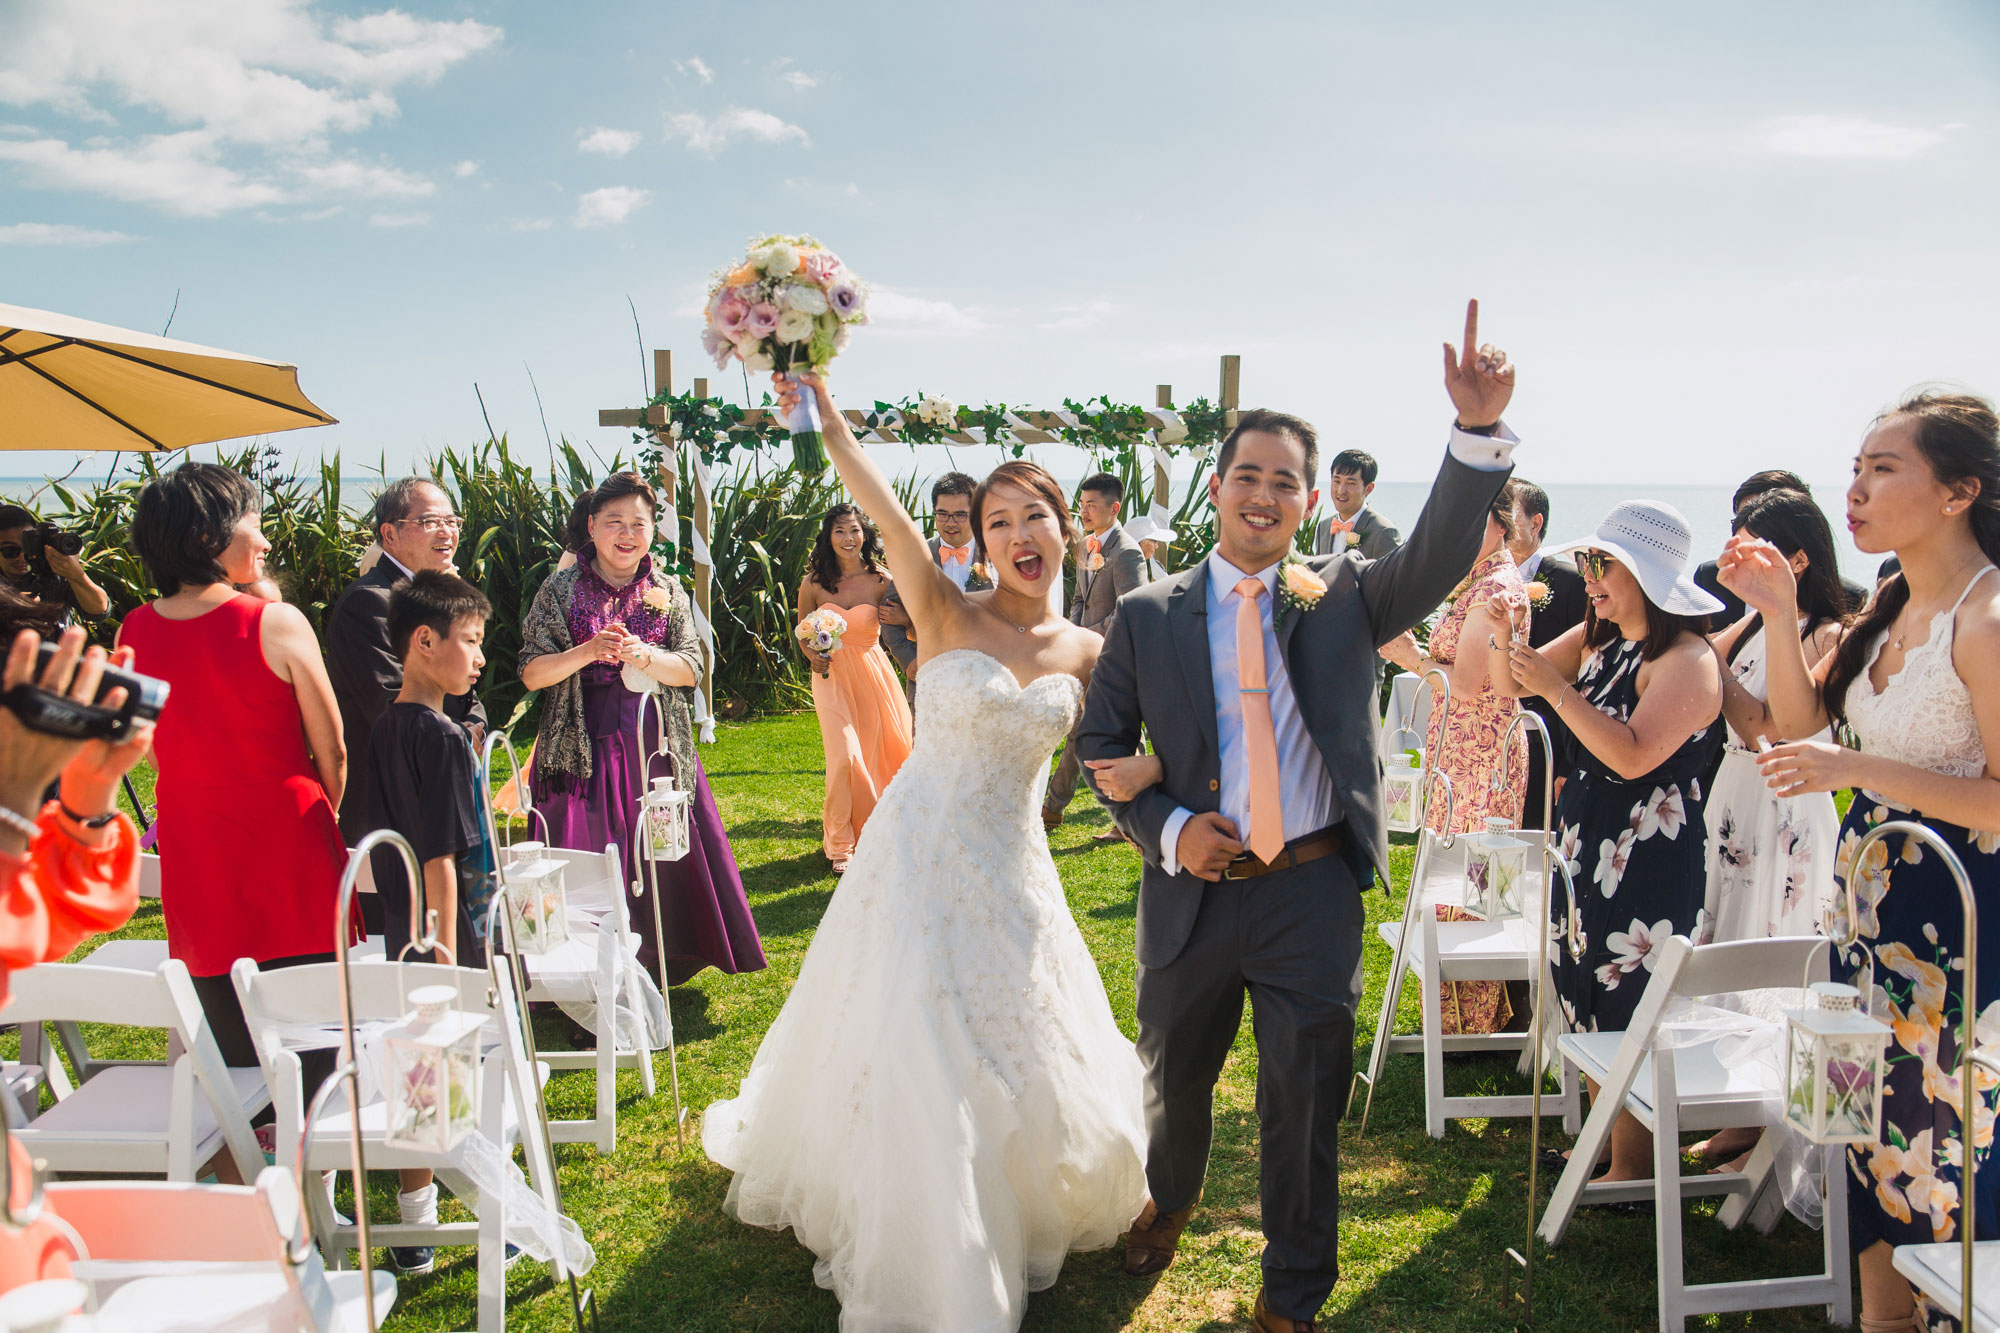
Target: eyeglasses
{"type": "Point", "coordinates": [435, 523]}
{"type": "Point", "coordinates": [11, 551]}
{"type": "Point", "coordinates": [1593, 564]}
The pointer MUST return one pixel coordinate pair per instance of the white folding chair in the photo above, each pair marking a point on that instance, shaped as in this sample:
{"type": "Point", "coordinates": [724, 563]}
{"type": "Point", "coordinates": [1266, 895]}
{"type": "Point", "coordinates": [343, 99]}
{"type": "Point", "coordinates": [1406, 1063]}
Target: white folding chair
{"type": "Point", "coordinates": [171, 1256]}
{"type": "Point", "coordinates": [309, 996]}
{"type": "Point", "coordinates": [138, 1118]}
{"type": "Point", "coordinates": [1670, 1090]}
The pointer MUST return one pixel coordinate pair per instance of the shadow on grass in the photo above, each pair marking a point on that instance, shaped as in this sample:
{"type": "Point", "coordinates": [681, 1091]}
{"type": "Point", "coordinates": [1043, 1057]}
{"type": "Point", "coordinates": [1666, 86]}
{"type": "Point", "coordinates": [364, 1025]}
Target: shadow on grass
{"type": "Point", "coordinates": [776, 828]}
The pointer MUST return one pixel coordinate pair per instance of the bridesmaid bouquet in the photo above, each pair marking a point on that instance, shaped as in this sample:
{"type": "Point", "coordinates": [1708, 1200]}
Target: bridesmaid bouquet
{"type": "Point", "coordinates": [821, 630]}
{"type": "Point", "coordinates": [786, 306]}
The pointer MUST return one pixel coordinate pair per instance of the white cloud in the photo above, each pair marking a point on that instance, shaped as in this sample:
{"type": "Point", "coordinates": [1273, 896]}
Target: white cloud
{"type": "Point", "coordinates": [709, 135]}
{"type": "Point", "coordinates": [696, 66]}
{"type": "Point", "coordinates": [1087, 315]}
{"type": "Point", "coordinates": [610, 206]}
{"type": "Point", "coordinates": [243, 95]}
{"type": "Point", "coordinates": [800, 80]}
{"type": "Point", "coordinates": [531, 224]}
{"type": "Point", "coordinates": [348, 177]}
{"type": "Point", "coordinates": [611, 143]}
{"type": "Point", "coordinates": [399, 219]}
{"type": "Point", "coordinates": [1845, 137]}
{"type": "Point", "coordinates": [57, 233]}
{"type": "Point", "coordinates": [893, 311]}
{"type": "Point", "coordinates": [466, 169]}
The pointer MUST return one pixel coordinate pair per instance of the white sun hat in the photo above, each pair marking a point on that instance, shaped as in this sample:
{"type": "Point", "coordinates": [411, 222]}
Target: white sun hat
{"type": "Point", "coordinates": [1146, 528]}
{"type": "Point", "coordinates": [1654, 542]}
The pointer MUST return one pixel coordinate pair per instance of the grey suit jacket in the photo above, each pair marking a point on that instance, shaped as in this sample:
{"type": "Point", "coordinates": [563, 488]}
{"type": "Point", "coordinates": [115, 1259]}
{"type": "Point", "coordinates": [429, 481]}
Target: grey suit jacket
{"type": "Point", "coordinates": [1378, 535]}
{"type": "Point", "coordinates": [895, 639]}
{"type": "Point", "coordinates": [1330, 656]}
{"type": "Point", "coordinates": [1097, 593]}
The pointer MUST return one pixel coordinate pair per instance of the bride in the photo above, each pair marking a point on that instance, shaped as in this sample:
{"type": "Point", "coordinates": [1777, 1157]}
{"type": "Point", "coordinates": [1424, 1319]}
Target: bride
{"type": "Point", "coordinates": [945, 1106]}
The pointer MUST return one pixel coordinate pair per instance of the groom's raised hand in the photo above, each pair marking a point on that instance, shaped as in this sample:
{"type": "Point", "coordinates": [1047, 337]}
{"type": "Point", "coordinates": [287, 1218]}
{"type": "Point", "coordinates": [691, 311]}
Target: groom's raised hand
{"type": "Point", "coordinates": [1208, 843]}
{"type": "Point", "coordinates": [1478, 377]}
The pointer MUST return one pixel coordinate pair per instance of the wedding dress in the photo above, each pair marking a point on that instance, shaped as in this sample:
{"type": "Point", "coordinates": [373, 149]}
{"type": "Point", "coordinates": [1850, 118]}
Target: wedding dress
{"type": "Point", "coordinates": [945, 1107]}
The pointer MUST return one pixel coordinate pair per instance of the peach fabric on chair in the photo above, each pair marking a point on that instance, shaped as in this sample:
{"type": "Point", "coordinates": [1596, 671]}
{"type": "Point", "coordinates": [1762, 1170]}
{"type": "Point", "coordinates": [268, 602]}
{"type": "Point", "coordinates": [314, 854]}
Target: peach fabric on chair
{"type": "Point", "coordinates": [865, 724]}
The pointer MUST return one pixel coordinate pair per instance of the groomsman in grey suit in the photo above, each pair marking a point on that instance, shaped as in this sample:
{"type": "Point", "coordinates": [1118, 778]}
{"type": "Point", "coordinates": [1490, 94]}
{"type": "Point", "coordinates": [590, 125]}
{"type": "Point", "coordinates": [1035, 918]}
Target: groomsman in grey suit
{"type": "Point", "coordinates": [1353, 525]}
{"type": "Point", "coordinates": [952, 549]}
{"type": "Point", "coordinates": [1109, 564]}
{"type": "Point", "coordinates": [1254, 675]}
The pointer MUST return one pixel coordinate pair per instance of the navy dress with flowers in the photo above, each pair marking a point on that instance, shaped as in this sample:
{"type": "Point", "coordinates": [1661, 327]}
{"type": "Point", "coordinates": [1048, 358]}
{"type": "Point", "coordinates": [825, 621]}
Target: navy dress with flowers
{"type": "Point", "coordinates": [1637, 850]}
{"type": "Point", "coordinates": [1905, 1188]}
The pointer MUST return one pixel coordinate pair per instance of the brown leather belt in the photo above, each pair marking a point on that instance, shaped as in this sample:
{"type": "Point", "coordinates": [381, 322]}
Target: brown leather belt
{"type": "Point", "coordinates": [1300, 851]}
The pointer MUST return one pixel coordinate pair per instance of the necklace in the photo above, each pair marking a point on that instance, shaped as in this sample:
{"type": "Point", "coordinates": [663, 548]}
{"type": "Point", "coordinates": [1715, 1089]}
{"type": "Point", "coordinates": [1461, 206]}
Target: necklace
{"type": "Point", "coordinates": [1897, 642]}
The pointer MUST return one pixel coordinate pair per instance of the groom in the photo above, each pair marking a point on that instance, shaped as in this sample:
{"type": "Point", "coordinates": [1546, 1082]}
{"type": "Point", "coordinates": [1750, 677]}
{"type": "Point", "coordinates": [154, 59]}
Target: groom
{"type": "Point", "coordinates": [1258, 694]}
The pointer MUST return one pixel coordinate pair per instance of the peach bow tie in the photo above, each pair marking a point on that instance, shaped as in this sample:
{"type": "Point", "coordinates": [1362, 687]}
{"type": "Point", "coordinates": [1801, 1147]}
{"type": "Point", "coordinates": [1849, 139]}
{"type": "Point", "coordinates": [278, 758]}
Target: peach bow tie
{"type": "Point", "coordinates": [1260, 734]}
{"type": "Point", "coordinates": [956, 555]}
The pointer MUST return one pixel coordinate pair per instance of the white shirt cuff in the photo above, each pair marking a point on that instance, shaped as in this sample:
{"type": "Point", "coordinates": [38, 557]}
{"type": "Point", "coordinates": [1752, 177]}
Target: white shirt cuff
{"type": "Point", "coordinates": [1487, 453]}
{"type": "Point", "coordinates": [1170, 839]}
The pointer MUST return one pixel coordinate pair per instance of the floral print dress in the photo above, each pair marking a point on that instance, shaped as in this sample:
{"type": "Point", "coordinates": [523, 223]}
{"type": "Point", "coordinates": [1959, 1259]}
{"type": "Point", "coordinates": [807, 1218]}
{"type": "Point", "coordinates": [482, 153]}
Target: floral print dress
{"type": "Point", "coordinates": [1466, 744]}
{"type": "Point", "coordinates": [1637, 851]}
{"type": "Point", "coordinates": [1904, 1189]}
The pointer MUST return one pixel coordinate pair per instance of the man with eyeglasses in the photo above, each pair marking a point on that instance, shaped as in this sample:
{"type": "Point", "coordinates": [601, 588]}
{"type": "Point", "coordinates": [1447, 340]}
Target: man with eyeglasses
{"type": "Point", "coordinates": [56, 580]}
{"type": "Point", "coordinates": [418, 530]}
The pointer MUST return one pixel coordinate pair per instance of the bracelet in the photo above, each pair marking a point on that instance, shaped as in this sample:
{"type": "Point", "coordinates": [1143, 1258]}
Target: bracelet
{"type": "Point", "coordinates": [87, 821]}
{"type": "Point", "coordinates": [20, 823]}
{"type": "Point", "coordinates": [1558, 705]}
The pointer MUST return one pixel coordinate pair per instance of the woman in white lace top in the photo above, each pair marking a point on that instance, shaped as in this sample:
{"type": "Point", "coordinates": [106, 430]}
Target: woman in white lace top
{"type": "Point", "coordinates": [1918, 681]}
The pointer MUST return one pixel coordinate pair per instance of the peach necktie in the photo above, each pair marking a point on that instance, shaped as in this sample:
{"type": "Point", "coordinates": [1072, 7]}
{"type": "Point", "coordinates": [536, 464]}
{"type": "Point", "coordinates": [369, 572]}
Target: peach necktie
{"type": "Point", "coordinates": [1260, 736]}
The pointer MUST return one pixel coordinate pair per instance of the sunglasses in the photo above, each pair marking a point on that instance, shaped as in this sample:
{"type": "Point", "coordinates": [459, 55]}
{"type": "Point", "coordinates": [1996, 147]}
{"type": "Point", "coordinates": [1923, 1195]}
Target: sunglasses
{"type": "Point", "coordinates": [11, 552]}
{"type": "Point", "coordinates": [1594, 564]}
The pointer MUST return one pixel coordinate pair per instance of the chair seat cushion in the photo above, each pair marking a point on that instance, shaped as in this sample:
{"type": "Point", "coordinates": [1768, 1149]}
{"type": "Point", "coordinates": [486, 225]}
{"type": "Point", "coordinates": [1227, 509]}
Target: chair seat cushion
{"type": "Point", "coordinates": [132, 1103]}
{"type": "Point", "coordinates": [1699, 1077]}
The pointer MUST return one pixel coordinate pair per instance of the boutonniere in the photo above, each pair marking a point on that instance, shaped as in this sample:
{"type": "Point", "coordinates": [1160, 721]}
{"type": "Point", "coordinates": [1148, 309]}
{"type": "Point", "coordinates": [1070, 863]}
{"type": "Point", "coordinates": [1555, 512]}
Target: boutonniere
{"type": "Point", "coordinates": [656, 597]}
{"type": "Point", "coordinates": [1298, 586]}
{"type": "Point", "coordinates": [982, 571]}
{"type": "Point", "coordinates": [1538, 594]}
{"type": "Point", "coordinates": [1094, 562]}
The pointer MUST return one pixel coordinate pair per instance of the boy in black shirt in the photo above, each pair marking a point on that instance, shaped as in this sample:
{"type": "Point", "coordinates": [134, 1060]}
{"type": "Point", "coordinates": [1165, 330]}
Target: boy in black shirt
{"type": "Point", "coordinates": [426, 788]}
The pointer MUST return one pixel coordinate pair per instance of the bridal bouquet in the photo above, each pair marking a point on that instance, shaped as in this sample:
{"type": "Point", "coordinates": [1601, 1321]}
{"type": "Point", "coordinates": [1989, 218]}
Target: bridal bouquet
{"type": "Point", "coordinates": [821, 630]}
{"type": "Point", "coordinates": [786, 306]}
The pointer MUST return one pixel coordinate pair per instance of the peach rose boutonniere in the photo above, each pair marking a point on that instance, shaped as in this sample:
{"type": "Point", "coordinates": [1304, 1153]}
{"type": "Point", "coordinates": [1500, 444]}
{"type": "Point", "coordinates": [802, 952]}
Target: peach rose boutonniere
{"type": "Point", "coordinates": [982, 571]}
{"type": "Point", "coordinates": [657, 597]}
{"type": "Point", "coordinates": [1298, 586]}
{"type": "Point", "coordinates": [1538, 594]}
{"type": "Point", "coordinates": [1093, 559]}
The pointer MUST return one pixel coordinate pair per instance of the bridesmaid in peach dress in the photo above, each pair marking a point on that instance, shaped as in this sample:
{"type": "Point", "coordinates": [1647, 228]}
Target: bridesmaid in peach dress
{"type": "Point", "coordinates": [864, 718]}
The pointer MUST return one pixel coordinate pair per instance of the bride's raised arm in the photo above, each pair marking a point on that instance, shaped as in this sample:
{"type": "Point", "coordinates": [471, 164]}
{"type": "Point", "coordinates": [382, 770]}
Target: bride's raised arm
{"type": "Point", "coordinates": [923, 587]}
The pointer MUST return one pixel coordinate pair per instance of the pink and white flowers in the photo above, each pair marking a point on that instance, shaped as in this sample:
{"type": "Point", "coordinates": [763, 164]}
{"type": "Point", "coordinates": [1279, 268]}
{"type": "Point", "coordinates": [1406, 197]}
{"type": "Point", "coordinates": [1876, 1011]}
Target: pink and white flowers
{"type": "Point", "coordinates": [821, 631]}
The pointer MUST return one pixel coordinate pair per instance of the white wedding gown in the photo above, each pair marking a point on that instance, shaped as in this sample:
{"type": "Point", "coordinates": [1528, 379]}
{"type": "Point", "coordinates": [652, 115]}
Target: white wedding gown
{"type": "Point", "coordinates": [945, 1107]}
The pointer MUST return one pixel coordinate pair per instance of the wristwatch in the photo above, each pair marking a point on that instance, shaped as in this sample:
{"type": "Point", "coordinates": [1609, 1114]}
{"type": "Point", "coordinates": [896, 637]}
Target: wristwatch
{"type": "Point", "coordinates": [87, 821]}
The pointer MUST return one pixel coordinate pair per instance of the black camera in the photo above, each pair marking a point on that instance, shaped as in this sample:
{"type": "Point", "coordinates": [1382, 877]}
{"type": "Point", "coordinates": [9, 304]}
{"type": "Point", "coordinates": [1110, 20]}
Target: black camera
{"type": "Point", "coordinates": [55, 714]}
{"type": "Point", "coordinates": [46, 537]}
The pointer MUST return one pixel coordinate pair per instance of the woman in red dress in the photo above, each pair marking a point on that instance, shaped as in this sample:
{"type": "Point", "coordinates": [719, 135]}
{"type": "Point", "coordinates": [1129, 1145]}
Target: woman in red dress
{"type": "Point", "coordinates": [248, 747]}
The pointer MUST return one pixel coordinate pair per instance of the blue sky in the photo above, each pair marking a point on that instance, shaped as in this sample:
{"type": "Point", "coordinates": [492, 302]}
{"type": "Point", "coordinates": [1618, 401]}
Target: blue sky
{"type": "Point", "coordinates": [1715, 236]}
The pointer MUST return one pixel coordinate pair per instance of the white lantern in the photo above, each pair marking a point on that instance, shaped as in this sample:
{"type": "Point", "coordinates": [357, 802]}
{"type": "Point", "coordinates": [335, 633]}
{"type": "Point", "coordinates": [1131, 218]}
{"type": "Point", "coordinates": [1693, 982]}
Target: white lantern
{"type": "Point", "coordinates": [667, 814]}
{"type": "Point", "coordinates": [537, 903]}
{"type": "Point", "coordinates": [1403, 793]}
{"type": "Point", "coordinates": [1496, 870]}
{"type": "Point", "coordinates": [431, 1073]}
{"type": "Point", "coordinates": [1833, 1067]}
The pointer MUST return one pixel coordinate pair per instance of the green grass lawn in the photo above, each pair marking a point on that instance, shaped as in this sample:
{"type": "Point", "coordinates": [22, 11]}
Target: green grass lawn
{"type": "Point", "coordinates": [1425, 1223]}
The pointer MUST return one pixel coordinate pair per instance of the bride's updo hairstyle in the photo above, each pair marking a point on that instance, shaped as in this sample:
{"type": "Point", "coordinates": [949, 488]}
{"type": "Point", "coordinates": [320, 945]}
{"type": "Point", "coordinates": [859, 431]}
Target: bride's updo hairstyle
{"type": "Point", "coordinates": [1032, 478]}
{"type": "Point", "coordinates": [1959, 437]}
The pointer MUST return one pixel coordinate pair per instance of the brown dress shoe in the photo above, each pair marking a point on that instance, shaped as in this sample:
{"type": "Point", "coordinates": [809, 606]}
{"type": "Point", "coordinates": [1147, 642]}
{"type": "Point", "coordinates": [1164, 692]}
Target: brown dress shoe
{"type": "Point", "coordinates": [1052, 819]}
{"type": "Point", "coordinates": [1150, 1244]}
{"type": "Point", "coordinates": [1264, 1321]}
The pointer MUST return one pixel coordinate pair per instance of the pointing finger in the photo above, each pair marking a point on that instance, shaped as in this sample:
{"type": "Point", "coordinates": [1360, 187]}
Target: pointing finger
{"type": "Point", "coordinates": [1471, 330]}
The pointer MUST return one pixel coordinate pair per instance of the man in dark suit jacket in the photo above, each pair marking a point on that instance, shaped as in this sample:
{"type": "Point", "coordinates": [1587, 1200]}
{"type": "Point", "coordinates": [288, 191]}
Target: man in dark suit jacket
{"type": "Point", "coordinates": [954, 551]}
{"type": "Point", "coordinates": [1567, 602]}
{"type": "Point", "coordinates": [1352, 480]}
{"type": "Point", "coordinates": [1109, 564]}
{"type": "Point", "coordinates": [1271, 776]}
{"type": "Point", "coordinates": [418, 530]}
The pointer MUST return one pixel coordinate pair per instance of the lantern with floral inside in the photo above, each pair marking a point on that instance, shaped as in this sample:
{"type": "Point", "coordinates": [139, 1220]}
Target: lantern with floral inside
{"type": "Point", "coordinates": [1833, 1066]}
{"type": "Point", "coordinates": [666, 813]}
{"type": "Point", "coordinates": [431, 1072]}
{"type": "Point", "coordinates": [537, 903]}
{"type": "Point", "coordinates": [1496, 870]}
{"type": "Point", "coordinates": [1403, 792]}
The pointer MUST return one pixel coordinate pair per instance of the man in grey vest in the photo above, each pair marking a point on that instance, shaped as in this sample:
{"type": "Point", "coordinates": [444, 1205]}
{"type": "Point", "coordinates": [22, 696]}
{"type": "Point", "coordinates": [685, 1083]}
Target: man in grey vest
{"type": "Point", "coordinates": [1109, 564]}
{"type": "Point", "coordinates": [953, 549]}
{"type": "Point", "coordinates": [1353, 526]}
{"type": "Point", "coordinates": [1253, 674]}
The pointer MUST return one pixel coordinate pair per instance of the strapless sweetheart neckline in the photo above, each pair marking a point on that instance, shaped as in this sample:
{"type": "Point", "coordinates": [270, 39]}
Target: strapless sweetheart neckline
{"type": "Point", "coordinates": [1009, 671]}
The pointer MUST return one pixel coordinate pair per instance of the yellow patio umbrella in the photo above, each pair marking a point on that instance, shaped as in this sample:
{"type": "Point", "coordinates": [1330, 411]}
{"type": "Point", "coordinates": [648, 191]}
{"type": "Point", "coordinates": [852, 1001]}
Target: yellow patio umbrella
{"type": "Point", "coordinates": [70, 384]}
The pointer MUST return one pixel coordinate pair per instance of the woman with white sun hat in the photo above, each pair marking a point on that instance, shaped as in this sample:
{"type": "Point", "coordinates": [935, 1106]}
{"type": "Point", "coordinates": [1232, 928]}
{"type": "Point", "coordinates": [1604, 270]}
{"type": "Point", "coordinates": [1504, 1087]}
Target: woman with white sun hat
{"type": "Point", "coordinates": [1640, 689]}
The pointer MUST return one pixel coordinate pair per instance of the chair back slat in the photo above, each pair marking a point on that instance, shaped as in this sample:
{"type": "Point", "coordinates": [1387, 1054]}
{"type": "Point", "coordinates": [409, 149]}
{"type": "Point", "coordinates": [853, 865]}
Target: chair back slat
{"type": "Point", "coordinates": [1768, 964]}
{"type": "Point", "coordinates": [81, 993]}
{"type": "Point", "coordinates": [172, 1222]}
